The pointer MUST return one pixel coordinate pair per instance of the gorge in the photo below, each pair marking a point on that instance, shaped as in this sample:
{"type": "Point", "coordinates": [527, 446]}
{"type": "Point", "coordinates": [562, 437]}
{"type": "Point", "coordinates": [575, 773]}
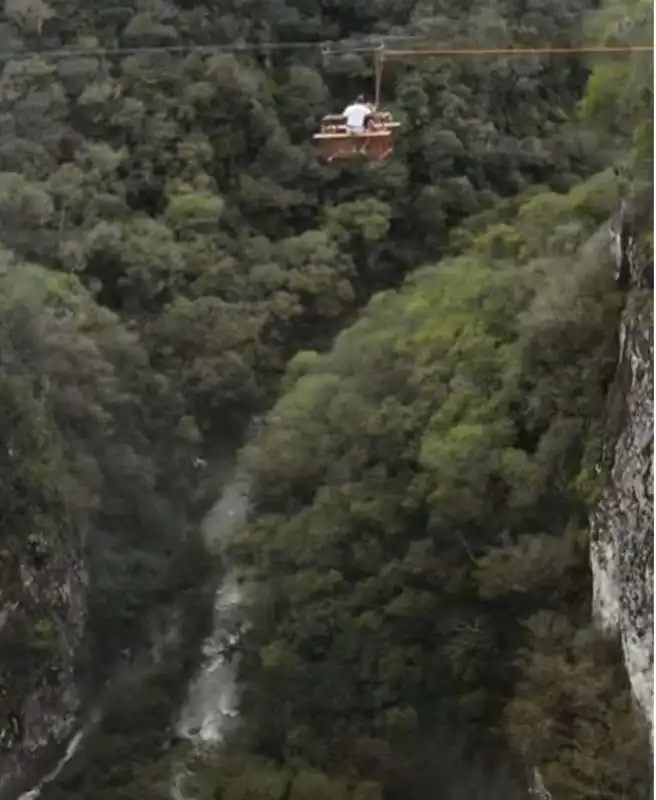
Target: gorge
{"type": "Point", "coordinates": [437, 536]}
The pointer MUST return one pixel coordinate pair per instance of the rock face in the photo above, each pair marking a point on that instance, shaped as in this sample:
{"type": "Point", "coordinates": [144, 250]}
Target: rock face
{"type": "Point", "coordinates": [622, 523]}
{"type": "Point", "coordinates": [42, 616]}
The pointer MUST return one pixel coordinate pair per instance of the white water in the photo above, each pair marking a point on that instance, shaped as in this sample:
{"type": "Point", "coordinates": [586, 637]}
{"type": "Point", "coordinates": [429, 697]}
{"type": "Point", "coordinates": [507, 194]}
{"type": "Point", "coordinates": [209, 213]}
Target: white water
{"type": "Point", "coordinates": [212, 699]}
{"type": "Point", "coordinates": [71, 750]}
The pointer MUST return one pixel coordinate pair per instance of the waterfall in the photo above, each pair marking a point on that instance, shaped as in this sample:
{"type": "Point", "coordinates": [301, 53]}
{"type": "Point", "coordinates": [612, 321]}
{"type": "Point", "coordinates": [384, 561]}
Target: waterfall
{"type": "Point", "coordinates": [211, 703]}
{"type": "Point", "coordinates": [212, 698]}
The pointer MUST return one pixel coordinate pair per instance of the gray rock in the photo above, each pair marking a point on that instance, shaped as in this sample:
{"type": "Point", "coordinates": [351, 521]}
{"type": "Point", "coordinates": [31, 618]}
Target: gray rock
{"type": "Point", "coordinates": [42, 621]}
{"type": "Point", "coordinates": [621, 549]}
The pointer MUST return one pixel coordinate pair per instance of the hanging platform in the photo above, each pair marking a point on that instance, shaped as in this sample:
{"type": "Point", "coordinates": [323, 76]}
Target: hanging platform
{"type": "Point", "coordinates": [335, 143]}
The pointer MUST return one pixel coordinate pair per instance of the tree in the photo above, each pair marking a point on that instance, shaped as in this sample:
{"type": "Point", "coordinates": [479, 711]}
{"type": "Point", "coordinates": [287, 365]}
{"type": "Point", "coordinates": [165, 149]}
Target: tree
{"type": "Point", "coordinates": [417, 505]}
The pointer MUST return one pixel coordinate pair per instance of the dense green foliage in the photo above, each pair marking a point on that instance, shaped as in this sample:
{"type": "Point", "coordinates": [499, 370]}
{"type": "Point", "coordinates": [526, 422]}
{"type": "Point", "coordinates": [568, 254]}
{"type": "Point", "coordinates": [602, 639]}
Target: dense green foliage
{"type": "Point", "coordinates": [183, 191]}
{"type": "Point", "coordinates": [417, 546]}
{"type": "Point", "coordinates": [82, 414]}
{"type": "Point", "coordinates": [174, 255]}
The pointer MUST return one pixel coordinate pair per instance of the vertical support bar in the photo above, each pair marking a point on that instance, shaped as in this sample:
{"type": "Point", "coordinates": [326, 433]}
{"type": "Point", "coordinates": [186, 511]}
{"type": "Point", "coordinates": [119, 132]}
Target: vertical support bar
{"type": "Point", "coordinates": [378, 72]}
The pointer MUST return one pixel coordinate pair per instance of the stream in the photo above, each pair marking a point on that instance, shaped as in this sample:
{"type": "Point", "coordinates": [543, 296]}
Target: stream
{"type": "Point", "coordinates": [212, 698]}
{"type": "Point", "coordinates": [211, 704]}
{"type": "Point", "coordinates": [73, 747]}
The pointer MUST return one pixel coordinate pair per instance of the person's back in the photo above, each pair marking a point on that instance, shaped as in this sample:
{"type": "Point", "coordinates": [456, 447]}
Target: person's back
{"type": "Point", "coordinates": [356, 115]}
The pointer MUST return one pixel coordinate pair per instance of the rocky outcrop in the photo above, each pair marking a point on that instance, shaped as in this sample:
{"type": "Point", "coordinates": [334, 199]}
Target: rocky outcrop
{"type": "Point", "coordinates": [42, 618]}
{"type": "Point", "coordinates": [622, 522]}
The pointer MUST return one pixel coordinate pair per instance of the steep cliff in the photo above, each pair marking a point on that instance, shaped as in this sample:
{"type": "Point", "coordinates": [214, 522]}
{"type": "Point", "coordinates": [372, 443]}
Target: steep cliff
{"type": "Point", "coordinates": [42, 614]}
{"type": "Point", "coordinates": [622, 522]}
{"type": "Point", "coordinates": [98, 542]}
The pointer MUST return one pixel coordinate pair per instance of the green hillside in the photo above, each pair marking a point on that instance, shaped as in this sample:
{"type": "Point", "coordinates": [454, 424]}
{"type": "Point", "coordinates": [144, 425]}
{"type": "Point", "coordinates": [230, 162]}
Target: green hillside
{"type": "Point", "coordinates": [433, 337]}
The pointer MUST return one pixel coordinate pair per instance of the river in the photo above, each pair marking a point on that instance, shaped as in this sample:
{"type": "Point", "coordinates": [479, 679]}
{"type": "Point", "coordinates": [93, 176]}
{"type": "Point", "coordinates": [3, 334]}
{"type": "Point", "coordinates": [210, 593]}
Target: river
{"type": "Point", "coordinates": [212, 699]}
{"type": "Point", "coordinates": [211, 703]}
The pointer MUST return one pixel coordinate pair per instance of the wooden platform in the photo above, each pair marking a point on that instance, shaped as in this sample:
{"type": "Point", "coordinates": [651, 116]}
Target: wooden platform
{"type": "Point", "coordinates": [335, 142]}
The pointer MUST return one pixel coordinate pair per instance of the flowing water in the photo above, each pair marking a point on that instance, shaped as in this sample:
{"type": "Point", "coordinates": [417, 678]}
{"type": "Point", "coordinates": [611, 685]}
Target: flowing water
{"type": "Point", "coordinates": [71, 750]}
{"type": "Point", "coordinates": [211, 704]}
{"type": "Point", "coordinates": [212, 698]}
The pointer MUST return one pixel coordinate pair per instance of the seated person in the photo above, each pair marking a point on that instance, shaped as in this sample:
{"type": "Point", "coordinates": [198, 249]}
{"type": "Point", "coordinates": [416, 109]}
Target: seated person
{"type": "Point", "coordinates": [358, 115]}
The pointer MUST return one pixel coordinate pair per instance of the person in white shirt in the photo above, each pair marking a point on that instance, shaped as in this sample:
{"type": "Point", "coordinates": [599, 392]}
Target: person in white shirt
{"type": "Point", "coordinates": [357, 115]}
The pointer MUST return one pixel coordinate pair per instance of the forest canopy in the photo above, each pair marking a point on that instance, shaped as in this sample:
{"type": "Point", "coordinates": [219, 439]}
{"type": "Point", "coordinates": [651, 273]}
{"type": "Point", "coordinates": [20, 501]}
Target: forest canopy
{"type": "Point", "coordinates": [417, 545]}
{"type": "Point", "coordinates": [431, 339]}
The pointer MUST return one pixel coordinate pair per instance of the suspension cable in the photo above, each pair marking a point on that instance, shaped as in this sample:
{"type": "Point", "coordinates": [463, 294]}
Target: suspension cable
{"type": "Point", "coordinates": [340, 47]}
{"type": "Point", "coordinates": [520, 51]}
{"type": "Point", "coordinates": [328, 48]}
